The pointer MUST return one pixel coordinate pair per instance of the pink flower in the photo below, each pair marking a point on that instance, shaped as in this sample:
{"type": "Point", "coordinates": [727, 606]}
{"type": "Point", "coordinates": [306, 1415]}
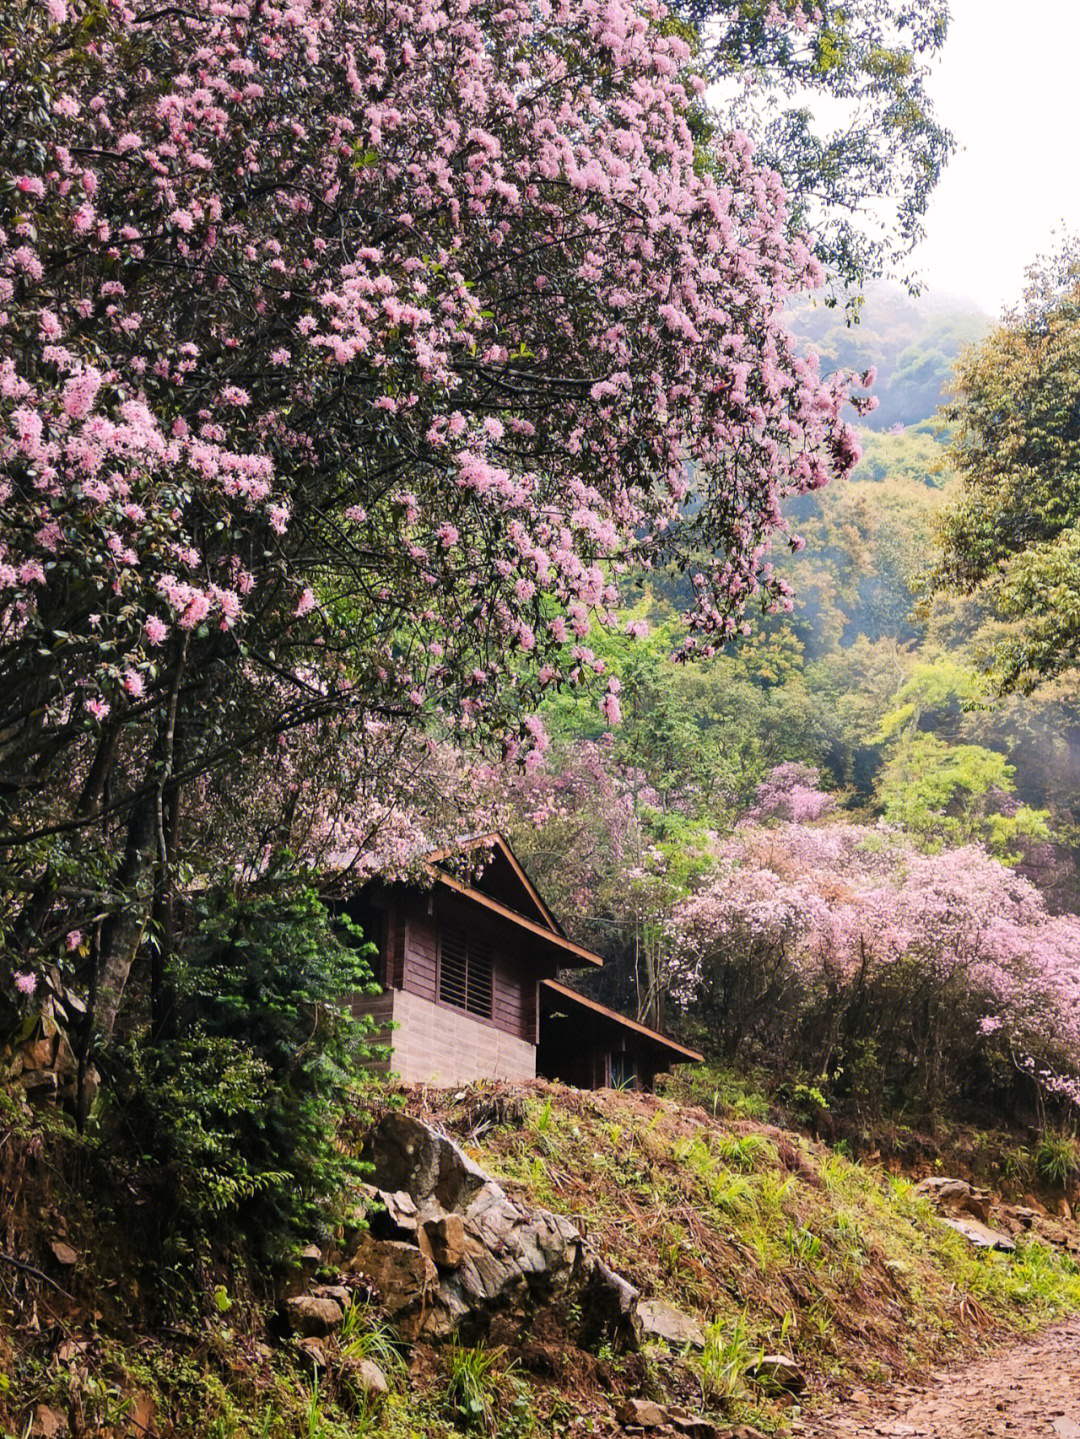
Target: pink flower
{"type": "Point", "coordinates": [307, 602]}
{"type": "Point", "coordinates": [99, 708]}
{"type": "Point", "coordinates": [155, 630]}
{"type": "Point", "coordinates": [74, 938]}
{"type": "Point", "coordinates": [25, 983]}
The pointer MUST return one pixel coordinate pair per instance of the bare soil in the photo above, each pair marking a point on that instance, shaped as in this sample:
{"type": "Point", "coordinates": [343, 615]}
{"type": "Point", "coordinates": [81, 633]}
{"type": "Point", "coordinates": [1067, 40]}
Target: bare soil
{"type": "Point", "coordinates": [1031, 1388]}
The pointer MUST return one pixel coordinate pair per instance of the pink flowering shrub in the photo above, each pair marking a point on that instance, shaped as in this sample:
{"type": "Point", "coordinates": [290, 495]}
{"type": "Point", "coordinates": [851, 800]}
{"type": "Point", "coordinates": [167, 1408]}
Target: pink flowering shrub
{"type": "Point", "coordinates": [791, 791]}
{"type": "Point", "coordinates": [844, 951]}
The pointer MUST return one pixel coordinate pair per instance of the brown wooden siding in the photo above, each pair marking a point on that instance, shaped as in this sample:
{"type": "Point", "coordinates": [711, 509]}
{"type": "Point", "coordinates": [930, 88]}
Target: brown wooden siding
{"type": "Point", "coordinates": [421, 954]}
{"type": "Point", "coordinates": [446, 950]}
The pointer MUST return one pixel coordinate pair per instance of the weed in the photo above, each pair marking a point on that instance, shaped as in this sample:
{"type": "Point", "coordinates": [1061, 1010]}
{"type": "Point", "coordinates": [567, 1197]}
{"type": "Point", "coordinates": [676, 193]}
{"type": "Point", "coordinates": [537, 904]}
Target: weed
{"type": "Point", "coordinates": [727, 1355]}
{"type": "Point", "coordinates": [1016, 1163]}
{"type": "Point", "coordinates": [742, 1151]}
{"type": "Point", "coordinates": [471, 1384]}
{"type": "Point", "coordinates": [365, 1336]}
{"type": "Point", "coordinates": [803, 1245]}
{"type": "Point", "coordinates": [1056, 1160]}
{"type": "Point", "coordinates": [730, 1193]}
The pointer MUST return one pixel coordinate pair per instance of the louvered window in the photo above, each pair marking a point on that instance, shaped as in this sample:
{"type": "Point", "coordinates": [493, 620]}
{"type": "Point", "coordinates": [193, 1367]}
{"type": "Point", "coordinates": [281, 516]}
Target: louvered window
{"type": "Point", "coordinates": [465, 968]}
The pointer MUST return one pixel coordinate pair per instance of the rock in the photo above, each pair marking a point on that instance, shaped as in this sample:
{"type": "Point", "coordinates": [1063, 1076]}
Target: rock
{"type": "Point", "coordinates": [313, 1351]}
{"type": "Point", "coordinates": [370, 1377]}
{"type": "Point", "coordinates": [313, 1316]}
{"type": "Point", "coordinates": [446, 1236]}
{"type": "Point", "coordinates": [941, 1189]}
{"type": "Point", "coordinates": [489, 1255]}
{"type": "Point", "coordinates": [435, 1173]}
{"type": "Point", "coordinates": [393, 1216]}
{"type": "Point", "coordinates": [977, 1206]}
{"type": "Point", "coordinates": [1063, 1209]}
{"type": "Point", "coordinates": [1025, 1216]}
{"type": "Point", "coordinates": [981, 1235]}
{"type": "Point", "coordinates": [311, 1254]}
{"type": "Point", "coordinates": [49, 1422]}
{"type": "Point", "coordinates": [609, 1307]}
{"type": "Point", "coordinates": [642, 1412]}
{"type": "Point", "coordinates": [663, 1322]}
{"type": "Point", "coordinates": [337, 1292]}
{"type": "Point", "coordinates": [39, 1085]}
{"type": "Point", "coordinates": [63, 1253]}
{"type": "Point", "coordinates": [693, 1426]}
{"type": "Point", "coordinates": [406, 1280]}
{"type": "Point", "coordinates": [39, 1053]}
{"type": "Point", "coordinates": [778, 1371]}
{"type": "Point", "coordinates": [1065, 1427]}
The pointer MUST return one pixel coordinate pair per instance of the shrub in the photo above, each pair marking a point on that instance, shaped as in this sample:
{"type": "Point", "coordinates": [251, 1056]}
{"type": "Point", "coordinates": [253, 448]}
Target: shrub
{"type": "Point", "coordinates": [241, 1104]}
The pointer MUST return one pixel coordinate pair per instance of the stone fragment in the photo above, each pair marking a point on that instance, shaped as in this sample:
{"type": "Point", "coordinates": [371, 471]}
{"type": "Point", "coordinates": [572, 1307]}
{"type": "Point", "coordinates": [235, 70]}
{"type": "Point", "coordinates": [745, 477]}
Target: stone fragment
{"type": "Point", "coordinates": [778, 1371]}
{"type": "Point", "coordinates": [693, 1426]}
{"type": "Point", "coordinates": [313, 1316]}
{"type": "Point", "coordinates": [663, 1322]}
{"type": "Point", "coordinates": [977, 1206]}
{"type": "Point", "coordinates": [337, 1292]}
{"type": "Point", "coordinates": [942, 1189]}
{"type": "Point", "coordinates": [313, 1351]}
{"type": "Point", "coordinates": [642, 1412]}
{"type": "Point", "coordinates": [39, 1085]}
{"type": "Point", "coordinates": [1064, 1209]}
{"type": "Point", "coordinates": [405, 1279]}
{"type": "Point", "coordinates": [63, 1253]}
{"type": "Point", "coordinates": [446, 1236]}
{"type": "Point", "coordinates": [981, 1235]}
{"type": "Point", "coordinates": [311, 1254]}
{"type": "Point", "coordinates": [1066, 1428]}
{"type": "Point", "coordinates": [370, 1377]}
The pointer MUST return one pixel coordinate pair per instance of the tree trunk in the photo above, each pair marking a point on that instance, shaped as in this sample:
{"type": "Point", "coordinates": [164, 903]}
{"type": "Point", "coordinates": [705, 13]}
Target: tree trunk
{"type": "Point", "coordinates": [145, 852]}
{"type": "Point", "coordinates": [123, 932]}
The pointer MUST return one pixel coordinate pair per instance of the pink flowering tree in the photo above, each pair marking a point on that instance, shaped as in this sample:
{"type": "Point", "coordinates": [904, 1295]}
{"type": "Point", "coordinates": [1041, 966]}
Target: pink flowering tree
{"type": "Point", "coordinates": [349, 356]}
{"type": "Point", "coordinates": [844, 951]}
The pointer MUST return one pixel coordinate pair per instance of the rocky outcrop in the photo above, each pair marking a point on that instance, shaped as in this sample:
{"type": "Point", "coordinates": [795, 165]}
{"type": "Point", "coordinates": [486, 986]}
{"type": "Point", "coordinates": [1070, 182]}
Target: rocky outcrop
{"type": "Point", "coordinates": [989, 1224]}
{"type": "Point", "coordinates": [449, 1252]}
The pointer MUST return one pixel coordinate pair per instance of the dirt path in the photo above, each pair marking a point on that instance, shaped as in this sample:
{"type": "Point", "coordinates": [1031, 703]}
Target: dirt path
{"type": "Point", "coordinates": [1030, 1389]}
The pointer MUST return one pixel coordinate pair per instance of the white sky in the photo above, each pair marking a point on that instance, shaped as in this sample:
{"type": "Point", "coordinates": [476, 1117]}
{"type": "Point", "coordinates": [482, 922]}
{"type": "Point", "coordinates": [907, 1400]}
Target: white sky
{"type": "Point", "coordinates": [1008, 86]}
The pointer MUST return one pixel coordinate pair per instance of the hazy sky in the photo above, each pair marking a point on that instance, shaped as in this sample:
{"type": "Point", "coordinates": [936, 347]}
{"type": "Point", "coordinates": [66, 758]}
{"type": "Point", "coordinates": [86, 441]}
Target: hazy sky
{"type": "Point", "coordinates": [1008, 86]}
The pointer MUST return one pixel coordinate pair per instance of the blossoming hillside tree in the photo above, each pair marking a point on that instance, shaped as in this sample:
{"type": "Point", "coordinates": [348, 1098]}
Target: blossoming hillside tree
{"type": "Point", "coordinates": [843, 950]}
{"type": "Point", "coordinates": [348, 353]}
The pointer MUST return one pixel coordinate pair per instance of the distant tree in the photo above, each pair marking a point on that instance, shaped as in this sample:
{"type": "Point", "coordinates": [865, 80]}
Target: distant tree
{"type": "Point", "coordinates": [1013, 537]}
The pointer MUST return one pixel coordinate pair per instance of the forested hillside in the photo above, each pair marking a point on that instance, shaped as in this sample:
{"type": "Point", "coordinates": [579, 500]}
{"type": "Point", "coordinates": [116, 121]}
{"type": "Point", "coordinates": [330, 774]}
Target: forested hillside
{"type": "Point", "coordinates": [473, 498]}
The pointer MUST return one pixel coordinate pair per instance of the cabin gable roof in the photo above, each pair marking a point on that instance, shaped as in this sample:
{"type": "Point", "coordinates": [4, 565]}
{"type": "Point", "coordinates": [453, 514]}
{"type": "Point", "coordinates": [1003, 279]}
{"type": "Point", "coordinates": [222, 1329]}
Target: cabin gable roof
{"type": "Point", "coordinates": [502, 878]}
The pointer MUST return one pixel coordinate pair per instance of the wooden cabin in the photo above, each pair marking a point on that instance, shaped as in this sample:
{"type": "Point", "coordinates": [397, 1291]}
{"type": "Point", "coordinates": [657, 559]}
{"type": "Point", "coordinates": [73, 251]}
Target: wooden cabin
{"type": "Point", "coordinates": [468, 971]}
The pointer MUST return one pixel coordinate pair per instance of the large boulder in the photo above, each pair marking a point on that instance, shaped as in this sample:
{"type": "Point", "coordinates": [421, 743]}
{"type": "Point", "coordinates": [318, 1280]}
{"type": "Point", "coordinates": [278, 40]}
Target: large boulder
{"type": "Point", "coordinates": [410, 1156]}
{"type": "Point", "coordinates": [475, 1255]}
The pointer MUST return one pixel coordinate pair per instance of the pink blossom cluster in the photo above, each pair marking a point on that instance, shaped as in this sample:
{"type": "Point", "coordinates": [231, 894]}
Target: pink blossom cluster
{"type": "Point", "coordinates": [431, 302]}
{"type": "Point", "coordinates": [791, 791]}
